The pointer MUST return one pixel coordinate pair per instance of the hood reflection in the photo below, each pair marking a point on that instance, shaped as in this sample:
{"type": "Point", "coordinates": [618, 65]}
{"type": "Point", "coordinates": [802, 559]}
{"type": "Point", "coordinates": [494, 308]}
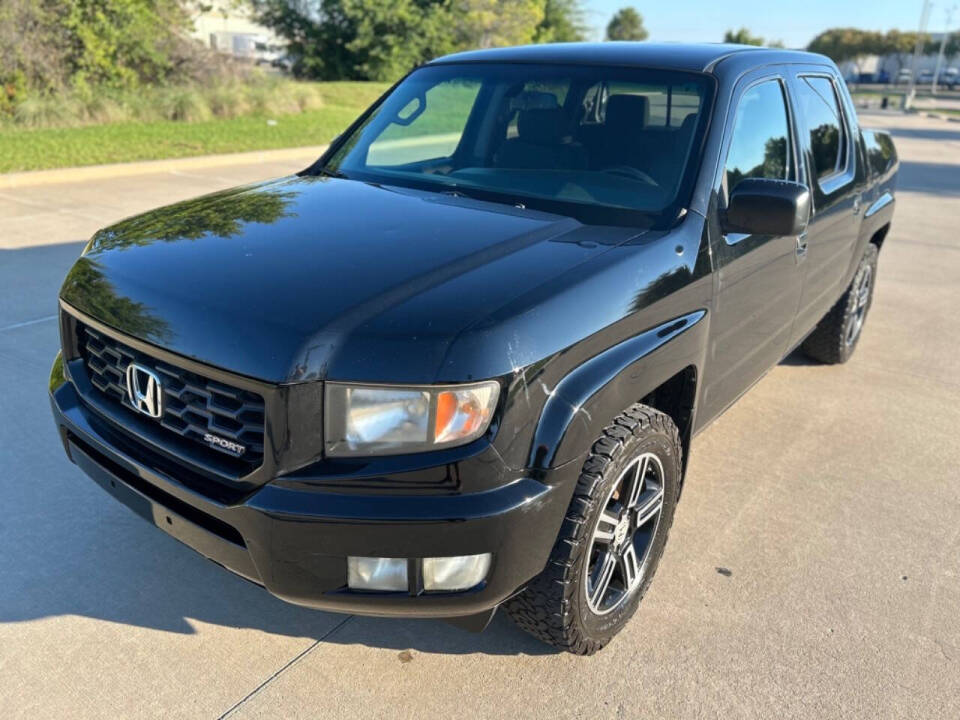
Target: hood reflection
{"type": "Point", "coordinates": [221, 215]}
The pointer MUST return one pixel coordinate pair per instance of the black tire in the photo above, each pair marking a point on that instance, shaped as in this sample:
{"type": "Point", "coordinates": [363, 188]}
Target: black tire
{"type": "Point", "coordinates": [554, 607]}
{"type": "Point", "coordinates": [837, 334]}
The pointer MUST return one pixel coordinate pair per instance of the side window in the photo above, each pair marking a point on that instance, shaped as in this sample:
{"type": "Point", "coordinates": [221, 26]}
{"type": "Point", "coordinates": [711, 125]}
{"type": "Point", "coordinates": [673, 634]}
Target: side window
{"type": "Point", "coordinates": [828, 135]}
{"type": "Point", "coordinates": [428, 128]}
{"type": "Point", "coordinates": [760, 145]}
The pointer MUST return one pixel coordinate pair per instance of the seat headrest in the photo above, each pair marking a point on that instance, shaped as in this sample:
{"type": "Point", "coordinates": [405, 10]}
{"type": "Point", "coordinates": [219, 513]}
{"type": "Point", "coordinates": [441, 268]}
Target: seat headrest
{"type": "Point", "coordinates": [534, 100]}
{"type": "Point", "coordinates": [541, 126]}
{"type": "Point", "coordinates": [627, 113]}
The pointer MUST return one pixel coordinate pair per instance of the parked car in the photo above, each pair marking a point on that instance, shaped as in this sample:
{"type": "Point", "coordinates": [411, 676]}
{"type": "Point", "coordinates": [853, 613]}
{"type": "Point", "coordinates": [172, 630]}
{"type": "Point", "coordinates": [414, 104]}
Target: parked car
{"type": "Point", "coordinates": [925, 76]}
{"type": "Point", "coordinates": [903, 77]}
{"type": "Point", "coordinates": [283, 62]}
{"type": "Point", "coordinates": [949, 77]}
{"type": "Point", "coordinates": [268, 54]}
{"type": "Point", "coordinates": [458, 363]}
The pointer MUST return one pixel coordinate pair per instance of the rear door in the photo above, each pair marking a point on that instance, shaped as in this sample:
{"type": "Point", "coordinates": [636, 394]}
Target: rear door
{"type": "Point", "coordinates": [827, 135]}
{"type": "Point", "coordinates": [758, 276]}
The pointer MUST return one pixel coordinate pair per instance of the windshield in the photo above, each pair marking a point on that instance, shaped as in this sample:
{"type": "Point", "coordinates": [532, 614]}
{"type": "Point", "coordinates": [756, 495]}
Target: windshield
{"type": "Point", "coordinates": [559, 138]}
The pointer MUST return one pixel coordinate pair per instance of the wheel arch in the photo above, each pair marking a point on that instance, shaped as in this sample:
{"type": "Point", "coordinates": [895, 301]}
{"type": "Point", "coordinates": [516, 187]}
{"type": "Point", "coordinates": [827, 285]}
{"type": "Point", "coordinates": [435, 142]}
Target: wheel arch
{"type": "Point", "coordinates": [880, 235]}
{"type": "Point", "coordinates": [659, 367]}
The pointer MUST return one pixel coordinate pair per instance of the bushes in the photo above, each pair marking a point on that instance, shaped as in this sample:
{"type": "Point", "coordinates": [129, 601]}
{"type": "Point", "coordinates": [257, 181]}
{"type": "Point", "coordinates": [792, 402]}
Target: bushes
{"type": "Point", "coordinates": [185, 103]}
{"type": "Point", "coordinates": [79, 49]}
{"type": "Point", "coordinates": [53, 45]}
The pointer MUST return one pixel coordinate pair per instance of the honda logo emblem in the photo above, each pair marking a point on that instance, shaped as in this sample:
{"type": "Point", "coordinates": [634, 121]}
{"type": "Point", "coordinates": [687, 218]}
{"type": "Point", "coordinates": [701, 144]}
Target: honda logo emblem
{"type": "Point", "coordinates": [144, 390]}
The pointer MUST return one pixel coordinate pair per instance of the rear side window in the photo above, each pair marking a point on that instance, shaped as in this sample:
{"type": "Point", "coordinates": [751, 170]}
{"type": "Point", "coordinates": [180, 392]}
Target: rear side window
{"type": "Point", "coordinates": [828, 138]}
{"type": "Point", "coordinates": [760, 144]}
{"type": "Point", "coordinates": [667, 106]}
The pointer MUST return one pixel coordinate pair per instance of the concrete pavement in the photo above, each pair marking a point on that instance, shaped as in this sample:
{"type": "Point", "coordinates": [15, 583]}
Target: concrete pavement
{"type": "Point", "coordinates": [828, 496]}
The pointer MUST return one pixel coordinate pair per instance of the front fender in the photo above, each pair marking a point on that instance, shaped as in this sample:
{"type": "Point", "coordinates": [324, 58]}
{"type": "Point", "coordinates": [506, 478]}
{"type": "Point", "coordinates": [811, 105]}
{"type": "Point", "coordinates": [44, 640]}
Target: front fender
{"type": "Point", "coordinates": [586, 399]}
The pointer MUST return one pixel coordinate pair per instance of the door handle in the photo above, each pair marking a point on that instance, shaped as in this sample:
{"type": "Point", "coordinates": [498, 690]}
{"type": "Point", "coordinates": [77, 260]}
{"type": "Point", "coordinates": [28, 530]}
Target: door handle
{"type": "Point", "coordinates": [856, 205]}
{"type": "Point", "coordinates": [802, 245]}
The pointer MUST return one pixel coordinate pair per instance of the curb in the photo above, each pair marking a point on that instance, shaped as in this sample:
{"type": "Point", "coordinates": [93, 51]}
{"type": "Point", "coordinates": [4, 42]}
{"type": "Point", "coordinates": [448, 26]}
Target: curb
{"type": "Point", "coordinates": [940, 116]}
{"type": "Point", "coordinates": [99, 172]}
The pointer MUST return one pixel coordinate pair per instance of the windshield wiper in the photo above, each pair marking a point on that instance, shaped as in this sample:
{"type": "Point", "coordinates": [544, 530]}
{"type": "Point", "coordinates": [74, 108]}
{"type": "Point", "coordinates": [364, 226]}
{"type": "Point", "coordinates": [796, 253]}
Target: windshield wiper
{"type": "Point", "coordinates": [490, 196]}
{"type": "Point", "coordinates": [328, 172]}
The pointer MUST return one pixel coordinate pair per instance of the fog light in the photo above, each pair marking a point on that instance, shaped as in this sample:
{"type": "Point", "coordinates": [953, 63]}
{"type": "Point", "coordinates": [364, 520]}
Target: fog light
{"type": "Point", "coordinates": [455, 573]}
{"type": "Point", "coordinates": [371, 573]}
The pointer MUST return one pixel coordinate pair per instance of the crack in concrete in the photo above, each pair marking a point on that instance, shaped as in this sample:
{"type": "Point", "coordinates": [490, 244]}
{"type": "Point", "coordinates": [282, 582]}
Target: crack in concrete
{"type": "Point", "coordinates": [26, 323]}
{"type": "Point", "coordinates": [293, 661]}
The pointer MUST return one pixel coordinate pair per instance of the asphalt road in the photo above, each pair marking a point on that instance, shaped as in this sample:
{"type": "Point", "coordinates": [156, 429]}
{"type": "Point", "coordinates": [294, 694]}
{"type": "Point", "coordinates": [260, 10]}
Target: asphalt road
{"type": "Point", "coordinates": [813, 569]}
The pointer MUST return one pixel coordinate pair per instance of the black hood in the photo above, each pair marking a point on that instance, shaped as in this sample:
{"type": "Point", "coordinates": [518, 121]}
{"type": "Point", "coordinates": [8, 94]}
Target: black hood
{"type": "Point", "coordinates": [312, 277]}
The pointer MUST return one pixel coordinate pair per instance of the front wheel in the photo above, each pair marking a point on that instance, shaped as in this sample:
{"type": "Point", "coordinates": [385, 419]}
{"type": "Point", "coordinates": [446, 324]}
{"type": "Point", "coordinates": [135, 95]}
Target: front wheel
{"type": "Point", "coordinates": [836, 335]}
{"type": "Point", "coordinates": [612, 537]}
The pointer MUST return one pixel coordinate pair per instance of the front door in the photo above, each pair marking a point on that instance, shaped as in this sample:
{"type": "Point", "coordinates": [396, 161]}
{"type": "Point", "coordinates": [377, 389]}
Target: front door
{"type": "Point", "coordinates": [758, 276]}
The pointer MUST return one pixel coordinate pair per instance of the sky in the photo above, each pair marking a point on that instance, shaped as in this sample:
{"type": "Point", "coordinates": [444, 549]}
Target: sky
{"type": "Point", "coordinates": [795, 23]}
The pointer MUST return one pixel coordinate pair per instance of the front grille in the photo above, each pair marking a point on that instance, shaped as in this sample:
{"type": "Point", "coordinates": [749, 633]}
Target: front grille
{"type": "Point", "coordinates": [193, 406]}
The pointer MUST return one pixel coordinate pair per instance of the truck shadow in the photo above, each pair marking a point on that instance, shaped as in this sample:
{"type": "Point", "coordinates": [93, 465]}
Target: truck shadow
{"type": "Point", "coordinates": [70, 549]}
{"type": "Point", "coordinates": [798, 359]}
{"type": "Point", "coordinates": [123, 571]}
{"type": "Point", "coordinates": [935, 134]}
{"type": "Point", "coordinates": [933, 178]}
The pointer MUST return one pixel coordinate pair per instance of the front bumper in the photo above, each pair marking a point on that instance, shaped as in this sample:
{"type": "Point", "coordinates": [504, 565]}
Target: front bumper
{"type": "Point", "coordinates": [294, 541]}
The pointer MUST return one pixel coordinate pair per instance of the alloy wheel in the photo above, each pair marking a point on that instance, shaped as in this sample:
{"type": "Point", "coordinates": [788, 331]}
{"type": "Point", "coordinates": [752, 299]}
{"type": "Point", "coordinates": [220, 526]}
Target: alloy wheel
{"type": "Point", "coordinates": [862, 299]}
{"type": "Point", "coordinates": [624, 535]}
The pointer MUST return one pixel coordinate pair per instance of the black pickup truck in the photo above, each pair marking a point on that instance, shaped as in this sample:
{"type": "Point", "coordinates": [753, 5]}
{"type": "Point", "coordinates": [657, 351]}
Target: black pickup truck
{"type": "Point", "coordinates": [458, 362]}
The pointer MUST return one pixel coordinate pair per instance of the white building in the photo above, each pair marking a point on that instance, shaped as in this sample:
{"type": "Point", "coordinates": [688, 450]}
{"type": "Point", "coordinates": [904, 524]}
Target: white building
{"type": "Point", "coordinates": [231, 29]}
{"type": "Point", "coordinates": [873, 65]}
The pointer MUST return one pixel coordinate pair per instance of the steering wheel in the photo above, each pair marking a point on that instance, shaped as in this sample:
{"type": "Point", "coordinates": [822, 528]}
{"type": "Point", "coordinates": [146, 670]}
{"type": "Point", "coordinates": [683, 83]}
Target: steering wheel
{"type": "Point", "coordinates": [632, 173]}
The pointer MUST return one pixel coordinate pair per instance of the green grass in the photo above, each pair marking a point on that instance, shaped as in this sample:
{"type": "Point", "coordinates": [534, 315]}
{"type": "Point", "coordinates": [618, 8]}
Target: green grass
{"type": "Point", "coordinates": [44, 148]}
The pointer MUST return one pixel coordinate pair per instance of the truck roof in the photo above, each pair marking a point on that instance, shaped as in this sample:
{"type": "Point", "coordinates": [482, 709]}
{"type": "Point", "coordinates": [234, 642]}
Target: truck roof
{"type": "Point", "coordinates": [695, 57]}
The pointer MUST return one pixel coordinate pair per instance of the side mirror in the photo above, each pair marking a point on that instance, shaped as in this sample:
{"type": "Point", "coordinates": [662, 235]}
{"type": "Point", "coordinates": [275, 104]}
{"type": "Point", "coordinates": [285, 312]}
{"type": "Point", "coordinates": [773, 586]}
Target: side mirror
{"type": "Point", "coordinates": [760, 206]}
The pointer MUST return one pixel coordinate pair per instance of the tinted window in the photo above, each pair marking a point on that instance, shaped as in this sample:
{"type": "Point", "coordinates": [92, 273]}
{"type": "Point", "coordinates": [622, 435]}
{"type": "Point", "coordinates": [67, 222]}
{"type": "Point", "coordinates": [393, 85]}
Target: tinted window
{"type": "Point", "coordinates": [760, 145]}
{"type": "Point", "coordinates": [666, 105]}
{"type": "Point", "coordinates": [559, 138]}
{"type": "Point", "coordinates": [429, 126]}
{"type": "Point", "coordinates": [535, 95]}
{"type": "Point", "coordinates": [821, 112]}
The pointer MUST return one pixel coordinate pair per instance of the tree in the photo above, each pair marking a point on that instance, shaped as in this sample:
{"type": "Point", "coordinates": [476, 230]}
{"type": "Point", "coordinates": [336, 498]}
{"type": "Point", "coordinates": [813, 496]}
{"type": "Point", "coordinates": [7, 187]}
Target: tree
{"type": "Point", "coordinates": [123, 42]}
{"type": "Point", "coordinates": [382, 39]}
{"type": "Point", "coordinates": [32, 53]}
{"type": "Point", "coordinates": [391, 38]}
{"type": "Point", "coordinates": [359, 39]}
{"type": "Point", "coordinates": [49, 45]}
{"type": "Point", "coordinates": [742, 37]}
{"type": "Point", "coordinates": [627, 24]}
{"type": "Point", "coordinates": [562, 22]}
{"type": "Point", "coordinates": [848, 44]}
{"type": "Point", "coordinates": [496, 23]}
{"type": "Point", "coordinates": [900, 45]}
{"type": "Point", "coordinates": [953, 44]}
{"type": "Point", "coordinates": [952, 48]}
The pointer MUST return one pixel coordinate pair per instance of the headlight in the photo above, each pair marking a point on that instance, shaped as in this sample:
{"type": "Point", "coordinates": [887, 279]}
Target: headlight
{"type": "Point", "coordinates": [387, 419]}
